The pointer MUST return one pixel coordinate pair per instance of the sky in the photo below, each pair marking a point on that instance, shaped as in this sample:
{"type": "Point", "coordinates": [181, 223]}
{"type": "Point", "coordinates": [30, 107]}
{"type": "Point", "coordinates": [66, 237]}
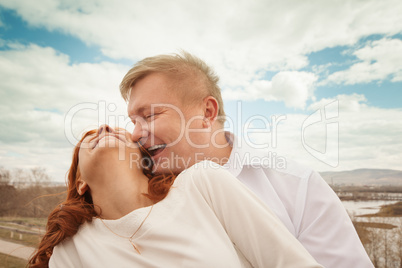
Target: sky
{"type": "Point", "coordinates": [316, 81]}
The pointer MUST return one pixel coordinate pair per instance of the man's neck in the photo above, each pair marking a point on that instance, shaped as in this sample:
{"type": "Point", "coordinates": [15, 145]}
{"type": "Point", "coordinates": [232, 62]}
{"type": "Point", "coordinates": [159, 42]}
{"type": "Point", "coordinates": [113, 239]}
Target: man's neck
{"type": "Point", "coordinates": [220, 150]}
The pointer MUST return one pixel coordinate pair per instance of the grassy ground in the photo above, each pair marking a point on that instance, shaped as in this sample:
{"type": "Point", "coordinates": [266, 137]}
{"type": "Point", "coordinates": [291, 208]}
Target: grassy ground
{"type": "Point", "coordinates": [33, 222]}
{"type": "Point", "coordinates": [23, 224]}
{"type": "Point", "coordinates": [392, 210]}
{"type": "Point", "coordinates": [374, 225]}
{"type": "Point", "coordinates": [7, 261]}
{"type": "Point", "coordinates": [27, 239]}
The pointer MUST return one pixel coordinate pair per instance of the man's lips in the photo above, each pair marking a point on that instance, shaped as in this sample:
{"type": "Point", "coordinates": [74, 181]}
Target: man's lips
{"type": "Point", "coordinates": [156, 149]}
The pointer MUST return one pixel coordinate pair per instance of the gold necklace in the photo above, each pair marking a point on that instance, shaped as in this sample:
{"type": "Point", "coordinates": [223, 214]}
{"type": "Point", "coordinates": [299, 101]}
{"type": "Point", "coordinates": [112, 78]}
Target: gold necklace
{"type": "Point", "coordinates": [130, 238]}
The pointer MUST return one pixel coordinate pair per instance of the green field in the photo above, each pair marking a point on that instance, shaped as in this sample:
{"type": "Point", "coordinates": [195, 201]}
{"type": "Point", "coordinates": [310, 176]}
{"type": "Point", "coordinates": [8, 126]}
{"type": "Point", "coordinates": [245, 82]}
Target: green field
{"type": "Point", "coordinates": [38, 222]}
{"type": "Point", "coordinates": [25, 224]}
{"type": "Point", "coordinates": [7, 261]}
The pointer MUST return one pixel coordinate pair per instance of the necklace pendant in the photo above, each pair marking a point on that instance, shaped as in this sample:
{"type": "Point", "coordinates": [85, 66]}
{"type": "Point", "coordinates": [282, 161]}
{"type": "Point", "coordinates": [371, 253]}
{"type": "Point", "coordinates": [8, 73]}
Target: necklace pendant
{"type": "Point", "coordinates": [131, 237]}
{"type": "Point", "coordinates": [136, 249]}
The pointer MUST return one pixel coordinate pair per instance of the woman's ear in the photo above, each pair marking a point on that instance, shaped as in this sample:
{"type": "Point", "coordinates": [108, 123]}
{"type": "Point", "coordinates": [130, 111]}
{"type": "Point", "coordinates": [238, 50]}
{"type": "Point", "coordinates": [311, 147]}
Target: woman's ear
{"type": "Point", "coordinates": [82, 187]}
{"type": "Point", "coordinates": [211, 108]}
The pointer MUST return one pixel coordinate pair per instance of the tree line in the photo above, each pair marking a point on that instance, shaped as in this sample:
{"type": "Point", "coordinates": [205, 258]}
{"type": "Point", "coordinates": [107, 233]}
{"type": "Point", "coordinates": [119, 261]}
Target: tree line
{"type": "Point", "coordinates": [27, 193]}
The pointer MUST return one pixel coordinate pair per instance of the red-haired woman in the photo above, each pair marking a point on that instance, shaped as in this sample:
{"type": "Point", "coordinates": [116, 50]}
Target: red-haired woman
{"type": "Point", "coordinates": [116, 216]}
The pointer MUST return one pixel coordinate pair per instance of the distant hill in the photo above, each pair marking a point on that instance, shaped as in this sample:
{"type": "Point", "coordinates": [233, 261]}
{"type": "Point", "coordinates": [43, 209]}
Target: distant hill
{"type": "Point", "coordinates": [357, 177]}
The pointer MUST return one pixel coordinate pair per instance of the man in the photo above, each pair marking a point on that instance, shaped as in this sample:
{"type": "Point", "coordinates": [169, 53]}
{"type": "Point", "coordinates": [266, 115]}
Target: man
{"type": "Point", "coordinates": [176, 106]}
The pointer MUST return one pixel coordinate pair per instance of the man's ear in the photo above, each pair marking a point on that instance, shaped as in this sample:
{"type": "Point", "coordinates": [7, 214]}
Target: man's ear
{"type": "Point", "coordinates": [211, 108]}
{"type": "Point", "coordinates": [82, 187]}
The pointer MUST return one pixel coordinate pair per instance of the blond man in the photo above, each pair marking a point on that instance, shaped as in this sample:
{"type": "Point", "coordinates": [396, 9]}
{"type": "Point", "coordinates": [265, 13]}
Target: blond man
{"type": "Point", "coordinates": [176, 105]}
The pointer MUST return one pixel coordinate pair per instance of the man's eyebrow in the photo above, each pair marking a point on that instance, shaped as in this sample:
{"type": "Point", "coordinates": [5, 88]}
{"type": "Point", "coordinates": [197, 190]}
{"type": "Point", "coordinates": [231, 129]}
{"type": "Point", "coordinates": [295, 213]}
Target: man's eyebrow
{"type": "Point", "coordinates": [134, 112]}
{"type": "Point", "coordinates": [141, 110]}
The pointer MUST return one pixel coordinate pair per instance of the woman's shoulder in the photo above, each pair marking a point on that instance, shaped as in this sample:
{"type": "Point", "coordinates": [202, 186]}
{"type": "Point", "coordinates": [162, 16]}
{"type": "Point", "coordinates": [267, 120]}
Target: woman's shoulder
{"type": "Point", "coordinates": [66, 253]}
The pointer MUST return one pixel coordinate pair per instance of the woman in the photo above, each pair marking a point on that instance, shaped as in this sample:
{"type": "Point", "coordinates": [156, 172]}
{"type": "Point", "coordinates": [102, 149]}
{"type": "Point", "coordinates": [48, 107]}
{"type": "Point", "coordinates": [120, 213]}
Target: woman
{"type": "Point", "coordinates": [115, 216]}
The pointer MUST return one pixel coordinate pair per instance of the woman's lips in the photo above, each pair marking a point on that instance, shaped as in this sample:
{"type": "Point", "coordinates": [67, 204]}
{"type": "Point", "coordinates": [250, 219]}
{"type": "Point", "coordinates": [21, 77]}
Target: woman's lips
{"type": "Point", "coordinates": [106, 136]}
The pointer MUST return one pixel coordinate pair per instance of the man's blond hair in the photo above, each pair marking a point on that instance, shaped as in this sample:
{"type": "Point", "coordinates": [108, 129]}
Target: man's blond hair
{"type": "Point", "coordinates": [196, 80]}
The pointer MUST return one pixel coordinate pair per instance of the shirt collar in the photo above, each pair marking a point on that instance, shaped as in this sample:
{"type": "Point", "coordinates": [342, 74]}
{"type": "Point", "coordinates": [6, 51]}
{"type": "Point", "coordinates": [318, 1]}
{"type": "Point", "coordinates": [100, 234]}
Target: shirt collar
{"type": "Point", "coordinates": [243, 154]}
{"type": "Point", "coordinates": [231, 164]}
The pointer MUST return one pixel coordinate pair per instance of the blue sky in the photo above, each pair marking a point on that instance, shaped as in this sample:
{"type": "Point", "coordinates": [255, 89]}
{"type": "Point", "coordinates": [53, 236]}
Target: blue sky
{"type": "Point", "coordinates": [273, 58]}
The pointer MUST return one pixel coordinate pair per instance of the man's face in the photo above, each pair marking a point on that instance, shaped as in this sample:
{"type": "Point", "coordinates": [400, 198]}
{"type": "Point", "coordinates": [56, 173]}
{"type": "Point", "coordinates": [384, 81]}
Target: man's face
{"type": "Point", "coordinates": [162, 122]}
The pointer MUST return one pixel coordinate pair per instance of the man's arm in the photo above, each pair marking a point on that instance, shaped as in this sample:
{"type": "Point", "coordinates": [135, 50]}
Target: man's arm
{"type": "Point", "coordinates": [326, 230]}
{"type": "Point", "coordinates": [250, 224]}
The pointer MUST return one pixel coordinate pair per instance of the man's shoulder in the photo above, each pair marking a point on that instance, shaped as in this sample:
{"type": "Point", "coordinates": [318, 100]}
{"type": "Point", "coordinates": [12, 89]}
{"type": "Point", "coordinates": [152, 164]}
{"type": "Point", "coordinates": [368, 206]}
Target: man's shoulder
{"type": "Point", "coordinates": [198, 171]}
{"type": "Point", "coordinates": [294, 168]}
{"type": "Point", "coordinates": [274, 163]}
{"type": "Point", "coordinates": [203, 170]}
{"type": "Point", "coordinates": [250, 156]}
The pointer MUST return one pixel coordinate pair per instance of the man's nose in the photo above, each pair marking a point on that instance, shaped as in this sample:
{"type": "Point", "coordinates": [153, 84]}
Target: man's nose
{"type": "Point", "coordinates": [105, 128]}
{"type": "Point", "coordinates": [140, 131]}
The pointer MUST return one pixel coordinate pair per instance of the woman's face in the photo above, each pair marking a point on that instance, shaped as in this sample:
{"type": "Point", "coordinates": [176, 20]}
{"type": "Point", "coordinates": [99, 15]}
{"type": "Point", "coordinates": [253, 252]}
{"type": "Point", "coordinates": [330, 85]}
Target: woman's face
{"type": "Point", "coordinates": [105, 150]}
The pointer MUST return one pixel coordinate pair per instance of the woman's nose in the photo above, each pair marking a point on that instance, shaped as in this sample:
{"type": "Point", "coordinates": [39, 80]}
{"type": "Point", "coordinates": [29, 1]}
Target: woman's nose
{"type": "Point", "coordinates": [105, 128]}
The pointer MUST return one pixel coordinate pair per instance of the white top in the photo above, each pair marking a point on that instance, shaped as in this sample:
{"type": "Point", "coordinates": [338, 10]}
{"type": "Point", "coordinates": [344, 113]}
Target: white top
{"type": "Point", "coordinates": [208, 219]}
{"type": "Point", "coordinates": [303, 201]}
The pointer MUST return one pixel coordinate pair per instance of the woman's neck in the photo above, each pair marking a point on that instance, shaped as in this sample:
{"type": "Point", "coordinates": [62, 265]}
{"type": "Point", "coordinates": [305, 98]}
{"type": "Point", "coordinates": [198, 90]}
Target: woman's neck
{"type": "Point", "coordinates": [119, 193]}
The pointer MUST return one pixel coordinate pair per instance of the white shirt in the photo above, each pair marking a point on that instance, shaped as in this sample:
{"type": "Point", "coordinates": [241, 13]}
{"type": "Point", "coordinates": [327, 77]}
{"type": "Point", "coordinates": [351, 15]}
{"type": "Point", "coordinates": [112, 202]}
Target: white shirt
{"type": "Point", "coordinates": [208, 219]}
{"type": "Point", "coordinates": [303, 201]}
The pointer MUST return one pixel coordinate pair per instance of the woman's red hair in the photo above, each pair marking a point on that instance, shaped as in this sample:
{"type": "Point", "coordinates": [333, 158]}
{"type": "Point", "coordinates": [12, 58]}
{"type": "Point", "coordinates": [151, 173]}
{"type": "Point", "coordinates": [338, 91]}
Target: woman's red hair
{"type": "Point", "coordinates": [65, 220]}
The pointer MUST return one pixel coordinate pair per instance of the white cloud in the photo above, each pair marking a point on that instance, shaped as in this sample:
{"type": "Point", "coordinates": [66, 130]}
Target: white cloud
{"type": "Point", "coordinates": [242, 41]}
{"type": "Point", "coordinates": [354, 103]}
{"type": "Point", "coordinates": [238, 39]}
{"type": "Point", "coordinates": [293, 88]}
{"type": "Point", "coordinates": [377, 61]}
{"type": "Point", "coordinates": [46, 78]}
{"type": "Point", "coordinates": [39, 87]}
{"type": "Point", "coordinates": [368, 136]}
